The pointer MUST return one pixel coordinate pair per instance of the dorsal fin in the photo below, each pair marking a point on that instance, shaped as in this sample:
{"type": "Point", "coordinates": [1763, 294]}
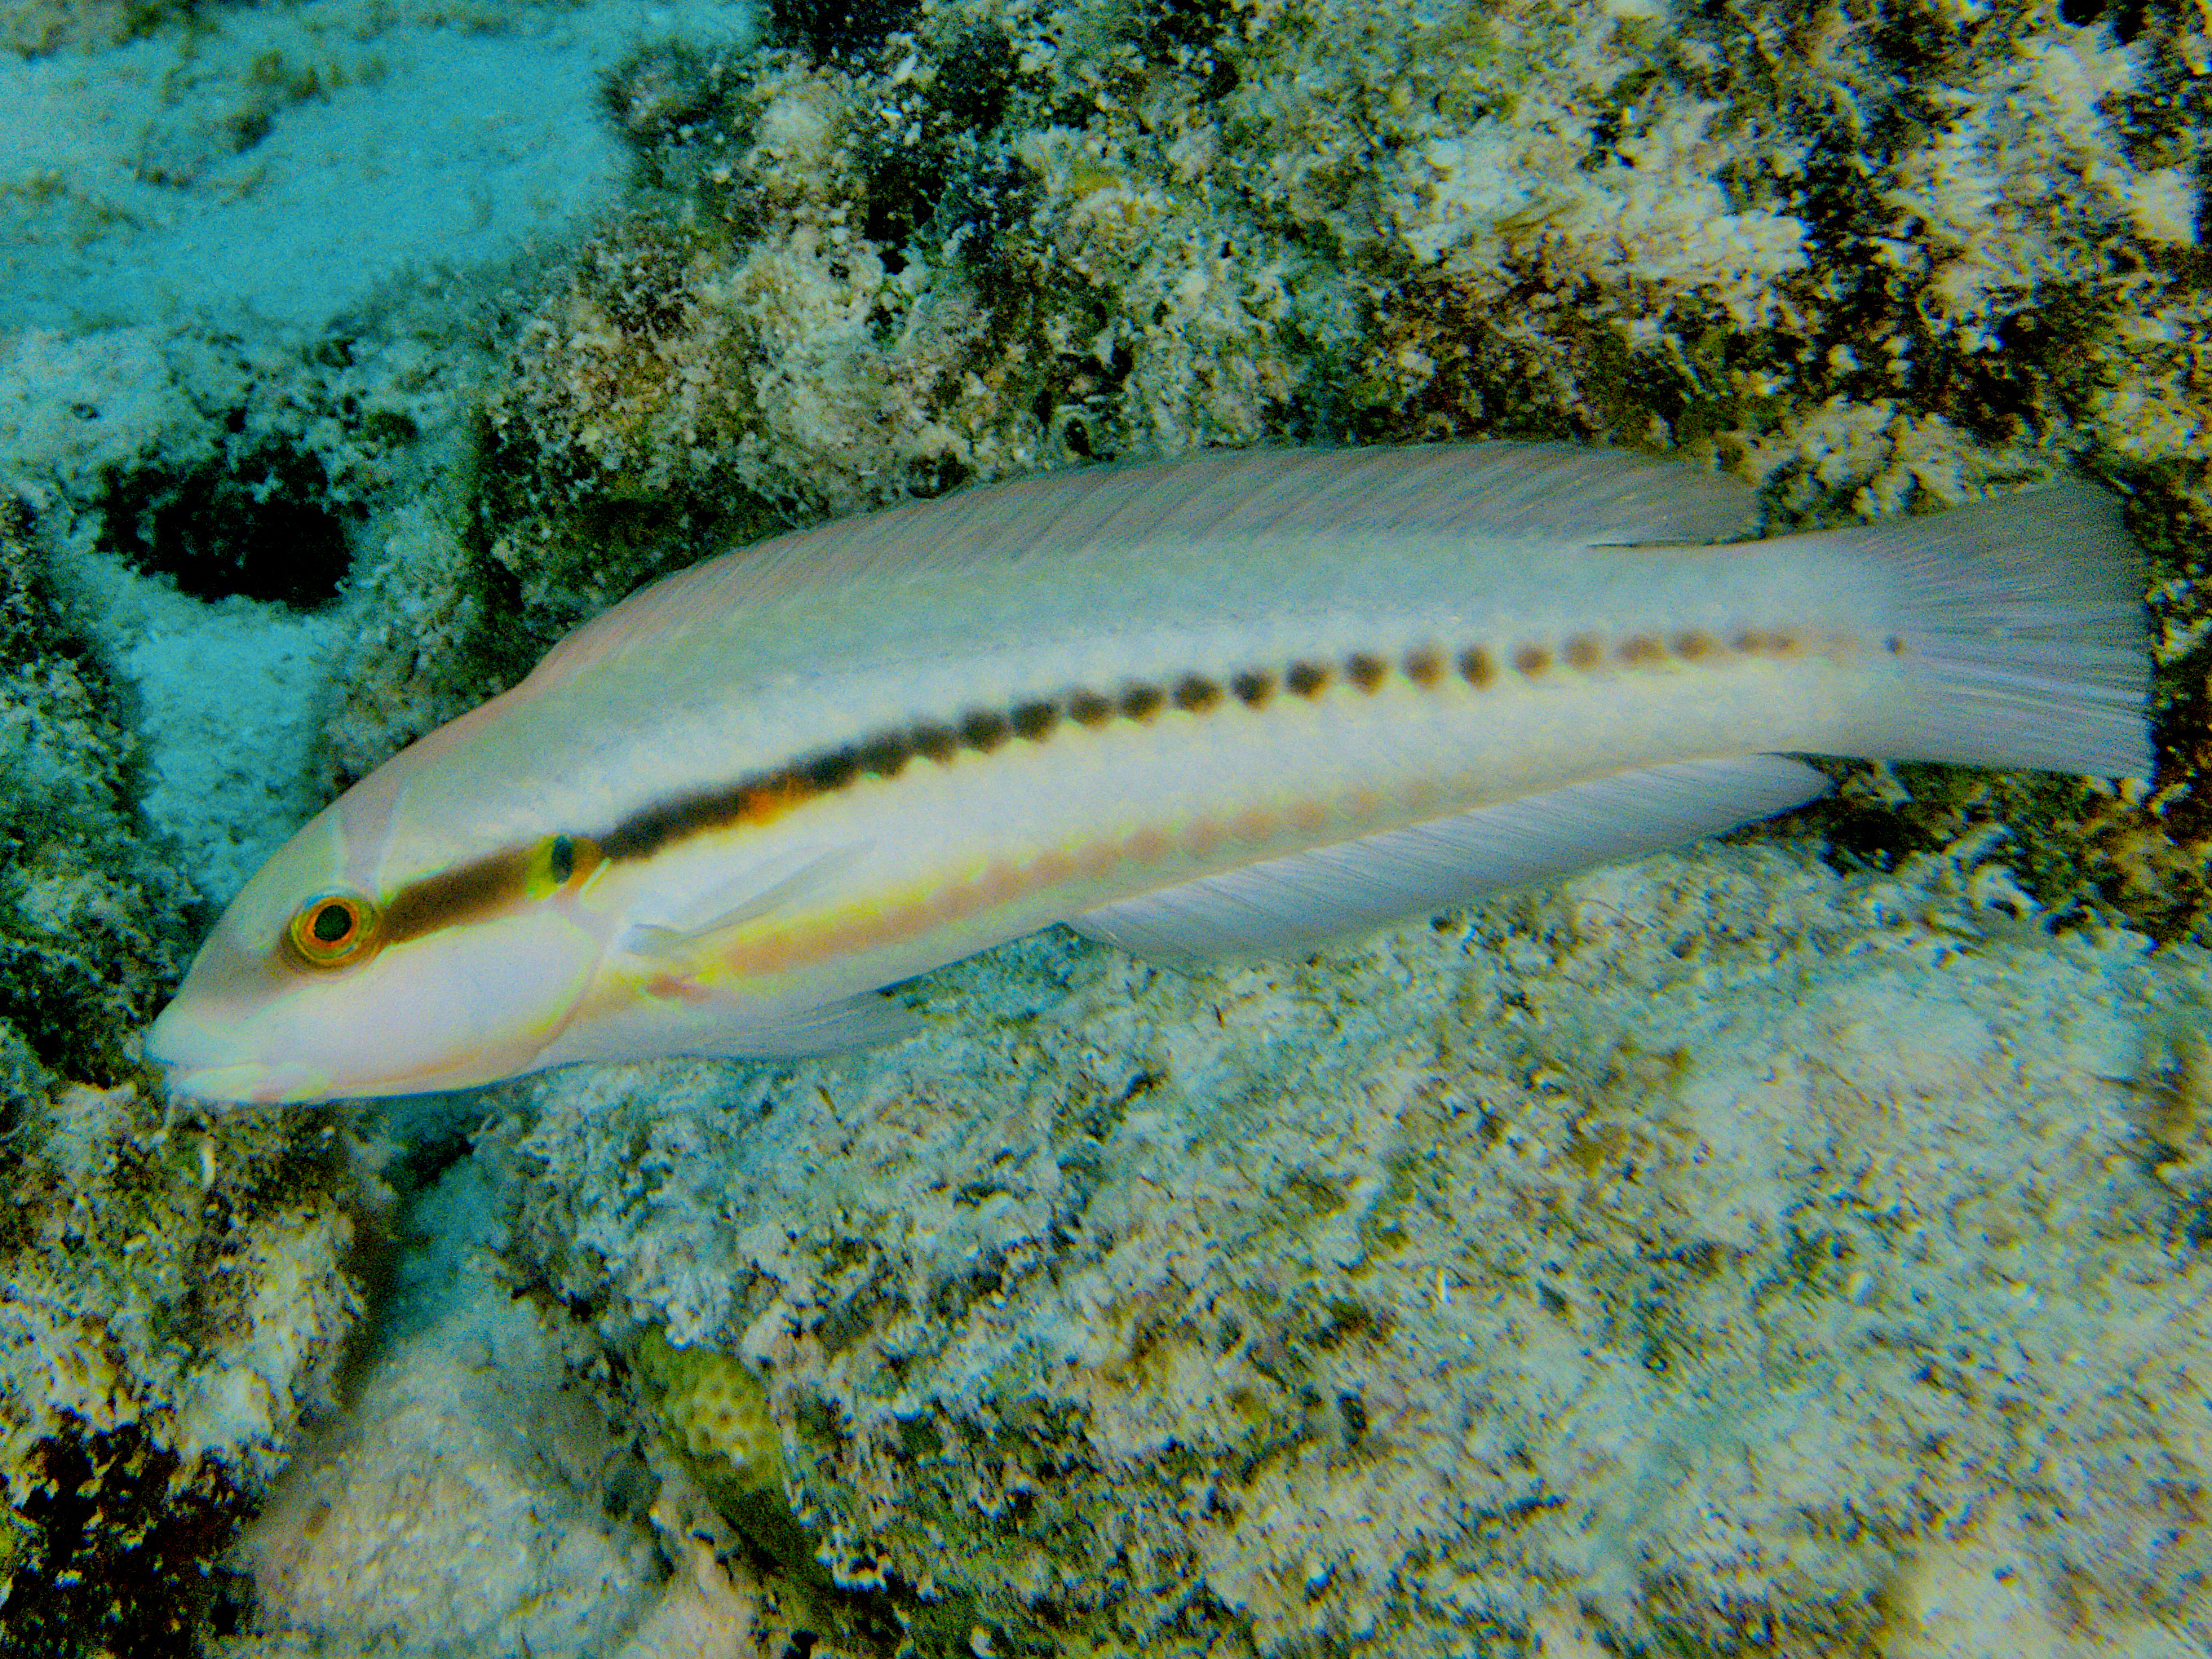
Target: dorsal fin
{"type": "Point", "coordinates": [1494, 491]}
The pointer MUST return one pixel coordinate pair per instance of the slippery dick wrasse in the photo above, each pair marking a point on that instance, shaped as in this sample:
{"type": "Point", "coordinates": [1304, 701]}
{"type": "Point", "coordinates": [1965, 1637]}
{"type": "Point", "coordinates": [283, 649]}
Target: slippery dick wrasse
{"type": "Point", "coordinates": [1240, 703]}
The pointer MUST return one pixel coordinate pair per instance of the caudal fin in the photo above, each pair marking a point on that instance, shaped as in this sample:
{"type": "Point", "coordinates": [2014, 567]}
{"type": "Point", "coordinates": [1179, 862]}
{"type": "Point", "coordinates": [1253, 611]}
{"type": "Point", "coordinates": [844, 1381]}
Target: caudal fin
{"type": "Point", "coordinates": [2020, 624]}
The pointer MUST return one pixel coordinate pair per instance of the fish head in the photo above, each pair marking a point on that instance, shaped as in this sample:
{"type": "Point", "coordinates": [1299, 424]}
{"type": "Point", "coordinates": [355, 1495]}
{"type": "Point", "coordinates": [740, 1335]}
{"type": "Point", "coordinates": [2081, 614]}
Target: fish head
{"type": "Point", "coordinates": [328, 979]}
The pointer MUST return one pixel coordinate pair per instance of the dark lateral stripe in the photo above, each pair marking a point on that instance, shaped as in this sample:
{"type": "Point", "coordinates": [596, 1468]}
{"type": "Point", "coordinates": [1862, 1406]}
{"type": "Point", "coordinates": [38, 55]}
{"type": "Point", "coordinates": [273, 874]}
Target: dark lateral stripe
{"type": "Point", "coordinates": [491, 884]}
{"type": "Point", "coordinates": [984, 731]}
{"type": "Point", "coordinates": [463, 893]}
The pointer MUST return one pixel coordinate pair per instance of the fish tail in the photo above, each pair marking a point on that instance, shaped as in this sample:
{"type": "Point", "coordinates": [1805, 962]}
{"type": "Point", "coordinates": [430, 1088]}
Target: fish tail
{"type": "Point", "coordinates": [2019, 623]}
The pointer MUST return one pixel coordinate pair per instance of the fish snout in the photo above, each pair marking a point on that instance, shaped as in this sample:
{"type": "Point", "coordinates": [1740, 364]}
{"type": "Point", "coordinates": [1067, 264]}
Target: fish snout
{"type": "Point", "coordinates": [202, 1059]}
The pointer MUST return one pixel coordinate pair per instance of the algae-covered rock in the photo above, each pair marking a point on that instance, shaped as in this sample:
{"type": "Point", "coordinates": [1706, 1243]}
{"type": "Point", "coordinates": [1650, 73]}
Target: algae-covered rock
{"type": "Point", "coordinates": [1735, 1256]}
{"type": "Point", "coordinates": [473, 1498]}
{"type": "Point", "coordinates": [1727, 1257]}
{"type": "Point", "coordinates": [241, 517]}
{"type": "Point", "coordinates": [92, 914]}
{"type": "Point", "coordinates": [1876, 263]}
{"type": "Point", "coordinates": [499, 1484]}
{"type": "Point", "coordinates": [173, 1296]}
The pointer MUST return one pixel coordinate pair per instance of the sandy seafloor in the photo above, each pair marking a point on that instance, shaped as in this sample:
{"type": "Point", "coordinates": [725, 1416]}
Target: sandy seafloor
{"type": "Point", "coordinates": [1733, 1253]}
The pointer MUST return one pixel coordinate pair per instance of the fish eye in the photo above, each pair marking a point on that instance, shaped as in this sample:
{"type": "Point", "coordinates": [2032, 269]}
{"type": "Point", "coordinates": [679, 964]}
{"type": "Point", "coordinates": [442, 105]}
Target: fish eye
{"type": "Point", "coordinates": [331, 930]}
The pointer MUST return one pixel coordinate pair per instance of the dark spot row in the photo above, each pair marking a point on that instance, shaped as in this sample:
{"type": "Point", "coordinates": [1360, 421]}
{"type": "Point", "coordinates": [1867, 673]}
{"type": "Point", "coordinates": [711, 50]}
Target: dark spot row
{"type": "Point", "coordinates": [985, 730]}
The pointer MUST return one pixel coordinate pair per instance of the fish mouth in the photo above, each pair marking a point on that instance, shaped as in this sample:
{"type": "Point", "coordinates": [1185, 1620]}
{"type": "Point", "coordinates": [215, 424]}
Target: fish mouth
{"type": "Point", "coordinates": [252, 1083]}
{"type": "Point", "coordinates": [196, 1063]}
{"type": "Point", "coordinates": [200, 1062]}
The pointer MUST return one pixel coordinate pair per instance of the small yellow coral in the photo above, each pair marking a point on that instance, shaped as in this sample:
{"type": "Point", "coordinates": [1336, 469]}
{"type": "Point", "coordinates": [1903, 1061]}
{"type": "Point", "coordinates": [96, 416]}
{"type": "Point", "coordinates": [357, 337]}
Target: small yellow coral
{"type": "Point", "coordinates": [717, 1411]}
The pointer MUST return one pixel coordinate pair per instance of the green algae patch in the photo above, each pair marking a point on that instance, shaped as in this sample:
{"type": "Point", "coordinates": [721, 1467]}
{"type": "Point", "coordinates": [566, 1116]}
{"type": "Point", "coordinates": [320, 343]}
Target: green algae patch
{"type": "Point", "coordinates": [717, 1411]}
{"type": "Point", "coordinates": [718, 1422]}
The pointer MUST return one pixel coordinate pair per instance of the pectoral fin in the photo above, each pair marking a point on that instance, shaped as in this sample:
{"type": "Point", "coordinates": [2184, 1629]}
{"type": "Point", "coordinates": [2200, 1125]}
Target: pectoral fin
{"type": "Point", "coordinates": [747, 895]}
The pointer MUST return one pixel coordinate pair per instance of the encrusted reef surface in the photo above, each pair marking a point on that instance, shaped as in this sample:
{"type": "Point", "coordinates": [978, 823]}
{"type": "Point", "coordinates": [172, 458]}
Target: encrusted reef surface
{"type": "Point", "coordinates": [198, 433]}
{"type": "Point", "coordinates": [1721, 1256]}
{"type": "Point", "coordinates": [1792, 1247]}
{"type": "Point", "coordinates": [1740, 1256]}
{"type": "Point", "coordinates": [1875, 259]}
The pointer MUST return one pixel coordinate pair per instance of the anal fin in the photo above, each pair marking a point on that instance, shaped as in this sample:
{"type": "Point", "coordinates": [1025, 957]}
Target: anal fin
{"type": "Point", "coordinates": [857, 1021]}
{"type": "Point", "coordinates": [1309, 899]}
{"type": "Point", "coordinates": [696, 1021]}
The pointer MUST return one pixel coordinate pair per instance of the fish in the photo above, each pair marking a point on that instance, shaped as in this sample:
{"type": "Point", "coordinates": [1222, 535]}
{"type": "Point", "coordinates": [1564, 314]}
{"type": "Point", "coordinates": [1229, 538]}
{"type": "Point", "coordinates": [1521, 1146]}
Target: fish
{"type": "Point", "coordinates": [1243, 703]}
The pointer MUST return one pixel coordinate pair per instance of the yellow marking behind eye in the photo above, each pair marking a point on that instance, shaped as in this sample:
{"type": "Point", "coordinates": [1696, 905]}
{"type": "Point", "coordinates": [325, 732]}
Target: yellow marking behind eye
{"type": "Point", "coordinates": [562, 863]}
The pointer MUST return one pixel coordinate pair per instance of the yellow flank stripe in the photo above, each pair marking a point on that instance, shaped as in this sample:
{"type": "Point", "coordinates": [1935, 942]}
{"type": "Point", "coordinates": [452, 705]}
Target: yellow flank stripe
{"type": "Point", "coordinates": [493, 884]}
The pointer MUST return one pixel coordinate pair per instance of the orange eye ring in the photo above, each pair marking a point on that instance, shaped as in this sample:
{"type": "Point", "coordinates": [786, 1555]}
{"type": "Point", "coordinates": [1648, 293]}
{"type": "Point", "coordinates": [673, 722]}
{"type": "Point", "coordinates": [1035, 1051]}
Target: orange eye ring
{"type": "Point", "coordinates": [332, 929]}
